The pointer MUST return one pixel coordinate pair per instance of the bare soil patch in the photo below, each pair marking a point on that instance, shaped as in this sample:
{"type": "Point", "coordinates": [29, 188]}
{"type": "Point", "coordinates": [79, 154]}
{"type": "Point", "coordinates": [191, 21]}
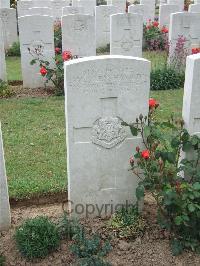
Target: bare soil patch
{"type": "Point", "coordinates": [151, 249]}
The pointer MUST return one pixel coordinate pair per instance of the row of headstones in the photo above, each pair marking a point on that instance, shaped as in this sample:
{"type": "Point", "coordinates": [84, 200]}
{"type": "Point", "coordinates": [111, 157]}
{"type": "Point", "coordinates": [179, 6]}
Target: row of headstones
{"type": "Point", "coordinates": [100, 93]}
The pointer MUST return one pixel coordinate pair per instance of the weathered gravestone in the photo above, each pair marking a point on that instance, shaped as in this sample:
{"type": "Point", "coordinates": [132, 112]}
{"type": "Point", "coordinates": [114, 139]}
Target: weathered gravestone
{"type": "Point", "coordinates": [143, 10]}
{"type": "Point", "coordinates": [9, 20]}
{"type": "Point", "coordinates": [180, 3]}
{"type": "Point", "coordinates": [100, 93]}
{"type": "Point", "coordinates": [88, 6]}
{"type": "Point", "coordinates": [78, 34]}
{"type": "Point", "coordinates": [194, 8]}
{"type": "Point", "coordinates": [151, 4]}
{"type": "Point", "coordinates": [35, 33]}
{"type": "Point", "coordinates": [67, 10]}
{"type": "Point", "coordinates": [102, 16]}
{"type": "Point", "coordinates": [23, 7]}
{"type": "Point", "coordinates": [120, 4]}
{"type": "Point", "coordinates": [185, 24]}
{"type": "Point", "coordinates": [164, 15]}
{"type": "Point", "coordinates": [191, 99]}
{"type": "Point", "coordinates": [2, 55]}
{"type": "Point", "coordinates": [5, 217]}
{"type": "Point", "coordinates": [126, 34]}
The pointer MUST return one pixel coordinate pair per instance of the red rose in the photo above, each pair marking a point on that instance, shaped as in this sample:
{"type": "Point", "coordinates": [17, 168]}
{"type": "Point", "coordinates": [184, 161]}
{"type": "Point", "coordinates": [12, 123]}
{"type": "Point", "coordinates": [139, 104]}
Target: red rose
{"type": "Point", "coordinates": [43, 71]}
{"type": "Point", "coordinates": [195, 50]}
{"type": "Point", "coordinates": [145, 154]}
{"type": "Point", "coordinates": [148, 27]}
{"type": "Point", "coordinates": [153, 103]}
{"type": "Point", "coordinates": [164, 30]}
{"type": "Point", "coordinates": [57, 50]}
{"type": "Point", "coordinates": [155, 24]}
{"type": "Point", "coordinates": [66, 55]}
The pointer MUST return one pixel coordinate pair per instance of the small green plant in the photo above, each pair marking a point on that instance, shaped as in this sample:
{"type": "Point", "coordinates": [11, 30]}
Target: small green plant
{"type": "Point", "coordinates": [37, 237]}
{"type": "Point", "coordinates": [4, 90]}
{"type": "Point", "coordinates": [88, 250]}
{"type": "Point", "coordinates": [14, 50]}
{"type": "Point", "coordinates": [2, 260]}
{"type": "Point", "coordinates": [68, 227]}
{"type": "Point", "coordinates": [166, 78]}
{"type": "Point", "coordinates": [58, 34]}
{"type": "Point", "coordinates": [128, 223]}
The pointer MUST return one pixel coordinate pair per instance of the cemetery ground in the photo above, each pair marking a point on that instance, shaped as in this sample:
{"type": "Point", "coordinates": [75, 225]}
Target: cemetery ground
{"type": "Point", "coordinates": [33, 127]}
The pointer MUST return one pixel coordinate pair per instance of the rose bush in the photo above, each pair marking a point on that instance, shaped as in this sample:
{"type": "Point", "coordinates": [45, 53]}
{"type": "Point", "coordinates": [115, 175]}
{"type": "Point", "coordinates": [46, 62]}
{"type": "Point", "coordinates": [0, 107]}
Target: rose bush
{"type": "Point", "coordinates": [171, 178]}
{"type": "Point", "coordinates": [155, 38]}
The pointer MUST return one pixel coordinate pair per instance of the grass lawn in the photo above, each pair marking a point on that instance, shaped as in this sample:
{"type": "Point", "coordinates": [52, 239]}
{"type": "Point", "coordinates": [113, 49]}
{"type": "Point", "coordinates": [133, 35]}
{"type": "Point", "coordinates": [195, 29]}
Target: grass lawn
{"type": "Point", "coordinates": [34, 136]}
{"type": "Point", "coordinates": [13, 68]}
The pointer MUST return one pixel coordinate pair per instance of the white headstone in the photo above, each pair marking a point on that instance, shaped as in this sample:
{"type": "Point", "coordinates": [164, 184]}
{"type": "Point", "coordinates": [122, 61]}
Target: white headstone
{"type": "Point", "coordinates": [194, 8]}
{"type": "Point", "coordinates": [100, 93]}
{"type": "Point", "coordinates": [184, 24]}
{"type": "Point", "coordinates": [35, 32]}
{"type": "Point", "coordinates": [57, 6]}
{"type": "Point", "coordinates": [41, 3]}
{"type": "Point", "coordinates": [120, 4]}
{"type": "Point", "coordinates": [180, 3]}
{"type": "Point", "coordinates": [191, 99]}
{"type": "Point", "coordinates": [5, 217]}
{"type": "Point", "coordinates": [165, 12]}
{"type": "Point", "coordinates": [126, 34]}
{"type": "Point", "coordinates": [88, 5]}
{"type": "Point", "coordinates": [151, 4]}
{"type": "Point", "coordinates": [2, 55]}
{"type": "Point", "coordinates": [78, 35]}
{"type": "Point", "coordinates": [9, 20]}
{"type": "Point", "coordinates": [39, 11]}
{"type": "Point", "coordinates": [5, 4]}
{"type": "Point", "coordinates": [143, 10]}
{"type": "Point", "coordinates": [102, 16]}
{"type": "Point", "coordinates": [72, 10]}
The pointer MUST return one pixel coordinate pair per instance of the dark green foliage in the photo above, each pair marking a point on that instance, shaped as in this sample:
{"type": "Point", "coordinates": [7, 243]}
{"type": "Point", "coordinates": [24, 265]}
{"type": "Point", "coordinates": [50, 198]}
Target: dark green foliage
{"type": "Point", "coordinates": [37, 237]}
{"type": "Point", "coordinates": [89, 249]}
{"type": "Point", "coordinates": [68, 227]}
{"type": "Point", "coordinates": [4, 89]}
{"type": "Point", "coordinates": [166, 79]}
{"type": "Point", "coordinates": [93, 261]}
{"type": "Point", "coordinates": [14, 50]}
{"type": "Point", "coordinates": [2, 260]}
{"type": "Point", "coordinates": [127, 223]}
{"type": "Point", "coordinates": [103, 50]}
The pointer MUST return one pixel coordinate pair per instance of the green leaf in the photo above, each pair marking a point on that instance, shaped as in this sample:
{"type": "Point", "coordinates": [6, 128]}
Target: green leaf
{"type": "Point", "coordinates": [178, 220]}
{"type": "Point", "coordinates": [140, 192]}
{"type": "Point", "coordinates": [171, 157]}
{"type": "Point", "coordinates": [134, 131]}
{"type": "Point", "coordinates": [191, 207]}
{"type": "Point", "coordinates": [147, 131]}
{"type": "Point", "coordinates": [196, 186]}
{"type": "Point", "coordinates": [33, 62]}
{"type": "Point", "coordinates": [177, 247]}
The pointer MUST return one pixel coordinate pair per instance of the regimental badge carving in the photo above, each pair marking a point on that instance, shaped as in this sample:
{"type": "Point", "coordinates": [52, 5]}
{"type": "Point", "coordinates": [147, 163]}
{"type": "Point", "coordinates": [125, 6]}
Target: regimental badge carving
{"type": "Point", "coordinates": [108, 132]}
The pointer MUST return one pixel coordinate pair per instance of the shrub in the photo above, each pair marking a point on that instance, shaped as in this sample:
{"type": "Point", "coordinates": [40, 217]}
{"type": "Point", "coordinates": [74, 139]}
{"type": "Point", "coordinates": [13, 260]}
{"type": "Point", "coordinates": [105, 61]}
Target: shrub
{"type": "Point", "coordinates": [127, 223]}
{"type": "Point", "coordinates": [2, 260]}
{"type": "Point", "coordinates": [4, 90]}
{"type": "Point", "coordinates": [37, 237]}
{"type": "Point", "coordinates": [166, 78]}
{"type": "Point", "coordinates": [103, 50]}
{"type": "Point", "coordinates": [14, 50]}
{"type": "Point", "coordinates": [154, 37]}
{"type": "Point", "coordinates": [160, 167]}
{"type": "Point", "coordinates": [68, 227]}
{"type": "Point", "coordinates": [89, 249]}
